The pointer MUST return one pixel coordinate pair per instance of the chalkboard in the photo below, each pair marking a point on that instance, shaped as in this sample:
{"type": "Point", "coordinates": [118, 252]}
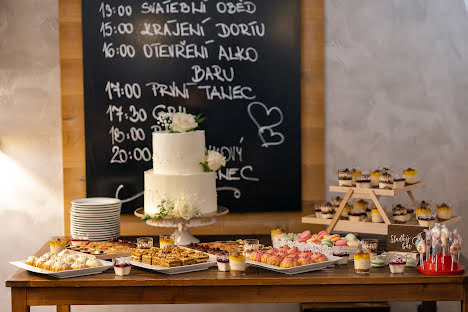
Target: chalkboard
{"type": "Point", "coordinates": [236, 62]}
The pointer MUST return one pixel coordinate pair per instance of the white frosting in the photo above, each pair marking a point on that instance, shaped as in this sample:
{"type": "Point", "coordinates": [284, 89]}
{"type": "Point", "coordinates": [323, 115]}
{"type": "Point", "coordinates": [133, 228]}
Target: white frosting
{"type": "Point", "coordinates": [178, 153]}
{"type": "Point", "coordinates": [198, 188]}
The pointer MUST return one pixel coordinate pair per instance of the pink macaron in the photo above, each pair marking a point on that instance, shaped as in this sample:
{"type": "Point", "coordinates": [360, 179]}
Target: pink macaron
{"type": "Point", "coordinates": [341, 242]}
{"type": "Point", "coordinates": [305, 234]}
{"type": "Point", "coordinates": [322, 234]}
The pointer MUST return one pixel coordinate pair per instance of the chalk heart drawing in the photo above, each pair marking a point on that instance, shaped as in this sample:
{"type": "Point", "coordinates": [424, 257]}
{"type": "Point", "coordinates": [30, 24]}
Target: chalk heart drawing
{"type": "Point", "coordinates": [266, 133]}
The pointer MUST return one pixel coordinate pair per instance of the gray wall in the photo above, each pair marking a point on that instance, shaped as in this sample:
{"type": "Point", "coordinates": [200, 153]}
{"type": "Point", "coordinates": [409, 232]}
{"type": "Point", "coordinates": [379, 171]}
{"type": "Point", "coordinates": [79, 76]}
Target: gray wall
{"type": "Point", "coordinates": [396, 95]}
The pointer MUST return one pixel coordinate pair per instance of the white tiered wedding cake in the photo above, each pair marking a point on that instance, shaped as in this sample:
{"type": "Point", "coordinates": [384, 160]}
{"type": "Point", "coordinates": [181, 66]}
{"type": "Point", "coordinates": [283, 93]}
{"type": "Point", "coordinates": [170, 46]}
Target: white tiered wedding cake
{"type": "Point", "coordinates": [182, 183]}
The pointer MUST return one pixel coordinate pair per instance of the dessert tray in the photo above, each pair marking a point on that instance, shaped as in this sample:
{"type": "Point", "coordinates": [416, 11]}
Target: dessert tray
{"type": "Point", "coordinates": [297, 269]}
{"type": "Point", "coordinates": [177, 269]}
{"type": "Point", "coordinates": [64, 274]}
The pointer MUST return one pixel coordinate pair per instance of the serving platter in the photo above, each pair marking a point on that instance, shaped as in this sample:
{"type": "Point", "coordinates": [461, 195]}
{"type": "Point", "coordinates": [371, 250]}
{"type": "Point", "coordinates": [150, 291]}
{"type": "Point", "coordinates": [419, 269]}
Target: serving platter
{"type": "Point", "coordinates": [298, 269]}
{"type": "Point", "coordinates": [176, 270]}
{"type": "Point", "coordinates": [64, 274]}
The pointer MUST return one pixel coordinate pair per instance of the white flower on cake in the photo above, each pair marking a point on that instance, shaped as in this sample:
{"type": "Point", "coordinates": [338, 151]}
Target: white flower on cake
{"type": "Point", "coordinates": [182, 122]}
{"type": "Point", "coordinates": [215, 160]}
{"type": "Point", "coordinates": [184, 209]}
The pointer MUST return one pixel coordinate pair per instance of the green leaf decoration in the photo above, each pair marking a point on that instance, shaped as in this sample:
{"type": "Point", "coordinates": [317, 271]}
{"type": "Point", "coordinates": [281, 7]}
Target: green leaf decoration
{"type": "Point", "coordinates": [146, 217]}
{"type": "Point", "coordinates": [205, 167]}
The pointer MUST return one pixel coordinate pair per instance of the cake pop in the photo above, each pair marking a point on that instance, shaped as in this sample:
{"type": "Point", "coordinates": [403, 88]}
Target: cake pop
{"type": "Point", "coordinates": [435, 231]}
{"type": "Point", "coordinates": [421, 247]}
{"type": "Point", "coordinates": [455, 249]}
{"type": "Point", "coordinates": [428, 243]}
{"type": "Point", "coordinates": [444, 236]}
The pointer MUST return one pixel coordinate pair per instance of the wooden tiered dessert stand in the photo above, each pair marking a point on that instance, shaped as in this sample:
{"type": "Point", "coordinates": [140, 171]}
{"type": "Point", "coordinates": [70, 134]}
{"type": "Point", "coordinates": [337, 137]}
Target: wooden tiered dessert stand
{"type": "Point", "coordinates": [373, 194]}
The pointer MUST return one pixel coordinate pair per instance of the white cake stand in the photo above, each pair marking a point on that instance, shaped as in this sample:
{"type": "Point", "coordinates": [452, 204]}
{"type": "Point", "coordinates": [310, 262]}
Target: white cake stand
{"type": "Point", "coordinates": [182, 235]}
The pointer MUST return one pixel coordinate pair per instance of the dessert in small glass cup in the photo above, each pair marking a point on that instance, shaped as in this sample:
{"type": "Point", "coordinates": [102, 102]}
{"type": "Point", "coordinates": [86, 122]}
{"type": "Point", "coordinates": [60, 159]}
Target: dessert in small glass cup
{"type": "Point", "coordinates": [399, 182]}
{"type": "Point", "coordinates": [222, 259]}
{"type": "Point", "coordinates": [276, 233]}
{"type": "Point", "coordinates": [237, 263]}
{"type": "Point", "coordinates": [344, 257]}
{"type": "Point", "coordinates": [362, 261]}
{"type": "Point", "coordinates": [166, 240]}
{"type": "Point", "coordinates": [57, 244]}
{"type": "Point", "coordinates": [370, 245]}
{"type": "Point", "coordinates": [397, 264]}
{"type": "Point", "coordinates": [444, 211]}
{"type": "Point", "coordinates": [411, 176]}
{"type": "Point", "coordinates": [363, 181]}
{"type": "Point", "coordinates": [144, 242]}
{"type": "Point", "coordinates": [251, 245]}
{"type": "Point", "coordinates": [122, 266]}
{"type": "Point", "coordinates": [345, 177]}
{"type": "Point", "coordinates": [327, 210]}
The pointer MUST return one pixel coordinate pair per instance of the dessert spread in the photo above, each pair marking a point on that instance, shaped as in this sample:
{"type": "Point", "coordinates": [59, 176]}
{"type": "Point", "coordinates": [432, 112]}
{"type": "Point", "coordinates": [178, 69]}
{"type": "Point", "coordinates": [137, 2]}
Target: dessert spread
{"type": "Point", "coordinates": [214, 248]}
{"type": "Point", "coordinates": [169, 257]}
{"type": "Point", "coordinates": [65, 260]}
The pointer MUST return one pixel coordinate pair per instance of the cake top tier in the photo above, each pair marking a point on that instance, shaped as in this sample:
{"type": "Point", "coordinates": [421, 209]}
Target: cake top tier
{"type": "Point", "coordinates": [178, 153]}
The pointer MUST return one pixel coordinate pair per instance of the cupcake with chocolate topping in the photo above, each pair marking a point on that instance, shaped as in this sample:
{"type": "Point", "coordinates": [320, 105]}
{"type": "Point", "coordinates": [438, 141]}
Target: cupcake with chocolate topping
{"type": "Point", "coordinates": [411, 176]}
{"type": "Point", "coordinates": [345, 177]}
{"type": "Point", "coordinates": [327, 210]}
{"type": "Point", "coordinates": [386, 181]}
{"type": "Point", "coordinates": [399, 214]}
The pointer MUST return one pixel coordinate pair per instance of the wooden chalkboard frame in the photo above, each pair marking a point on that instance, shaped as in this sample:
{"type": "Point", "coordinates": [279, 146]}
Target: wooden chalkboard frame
{"type": "Point", "coordinates": [312, 127]}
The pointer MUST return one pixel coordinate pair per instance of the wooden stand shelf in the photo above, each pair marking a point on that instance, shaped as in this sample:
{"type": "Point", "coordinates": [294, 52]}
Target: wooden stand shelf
{"type": "Point", "coordinates": [373, 194]}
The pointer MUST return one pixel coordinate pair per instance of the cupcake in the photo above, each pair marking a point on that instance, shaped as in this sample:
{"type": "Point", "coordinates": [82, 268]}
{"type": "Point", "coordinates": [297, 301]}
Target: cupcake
{"type": "Point", "coordinates": [344, 257]}
{"type": "Point", "coordinates": [327, 210]}
{"type": "Point", "coordinates": [397, 265]}
{"type": "Point", "coordinates": [376, 217]}
{"type": "Point", "coordinates": [444, 211]}
{"type": "Point", "coordinates": [411, 176]}
{"type": "Point", "coordinates": [289, 263]}
{"type": "Point", "coordinates": [356, 174]}
{"type": "Point", "coordinates": [31, 260]}
{"type": "Point", "coordinates": [361, 205]}
{"type": "Point", "coordinates": [423, 208]}
{"type": "Point", "coordinates": [386, 181]}
{"type": "Point", "coordinates": [336, 201]}
{"type": "Point", "coordinates": [345, 177]}
{"type": "Point", "coordinates": [374, 177]}
{"type": "Point", "coordinates": [363, 181]}
{"type": "Point", "coordinates": [399, 214]}
{"type": "Point", "coordinates": [346, 210]}
{"type": "Point", "coordinates": [427, 220]}
{"type": "Point", "coordinates": [399, 182]}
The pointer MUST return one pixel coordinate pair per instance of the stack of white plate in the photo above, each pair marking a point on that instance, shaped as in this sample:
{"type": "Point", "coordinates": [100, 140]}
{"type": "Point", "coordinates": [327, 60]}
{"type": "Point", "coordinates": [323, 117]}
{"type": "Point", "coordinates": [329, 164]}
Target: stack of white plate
{"type": "Point", "coordinates": [97, 218]}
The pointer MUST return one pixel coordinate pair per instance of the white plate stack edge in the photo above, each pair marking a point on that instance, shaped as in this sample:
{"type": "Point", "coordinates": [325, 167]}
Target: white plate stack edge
{"type": "Point", "coordinates": [97, 218]}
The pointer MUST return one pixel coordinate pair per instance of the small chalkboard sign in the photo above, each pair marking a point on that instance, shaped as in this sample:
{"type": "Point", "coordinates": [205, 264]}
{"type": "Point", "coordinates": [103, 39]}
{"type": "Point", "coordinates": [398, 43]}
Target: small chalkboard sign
{"type": "Point", "coordinates": [403, 238]}
{"type": "Point", "coordinates": [235, 62]}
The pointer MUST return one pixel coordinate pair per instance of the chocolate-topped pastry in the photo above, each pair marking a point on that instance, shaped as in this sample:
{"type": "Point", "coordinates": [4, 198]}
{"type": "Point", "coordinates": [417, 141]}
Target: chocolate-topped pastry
{"type": "Point", "coordinates": [327, 210]}
{"type": "Point", "coordinates": [345, 177]}
{"type": "Point", "coordinates": [363, 181]}
{"type": "Point", "coordinates": [386, 181]}
{"type": "Point", "coordinates": [399, 182]}
{"type": "Point", "coordinates": [336, 201]}
{"type": "Point", "coordinates": [399, 214]}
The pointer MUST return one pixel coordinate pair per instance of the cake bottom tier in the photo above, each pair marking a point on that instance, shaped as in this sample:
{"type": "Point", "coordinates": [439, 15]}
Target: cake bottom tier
{"type": "Point", "coordinates": [197, 190]}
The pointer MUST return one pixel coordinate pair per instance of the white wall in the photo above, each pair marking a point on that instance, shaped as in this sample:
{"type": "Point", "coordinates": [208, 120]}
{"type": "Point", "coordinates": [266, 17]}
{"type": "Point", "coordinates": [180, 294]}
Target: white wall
{"type": "Point", "coordinates": [396, 95]}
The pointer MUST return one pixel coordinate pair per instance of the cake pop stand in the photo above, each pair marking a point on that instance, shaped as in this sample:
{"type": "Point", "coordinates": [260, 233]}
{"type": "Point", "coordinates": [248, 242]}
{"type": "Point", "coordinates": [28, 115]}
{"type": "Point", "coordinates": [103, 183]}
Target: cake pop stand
{"type": "Point", "coordinates": [182, 235]}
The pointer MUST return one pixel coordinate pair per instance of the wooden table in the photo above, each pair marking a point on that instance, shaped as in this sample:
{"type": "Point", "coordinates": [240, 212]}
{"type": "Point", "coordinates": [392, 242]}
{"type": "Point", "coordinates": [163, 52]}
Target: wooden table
{"type": "Point", "coordinates": [340, 284]}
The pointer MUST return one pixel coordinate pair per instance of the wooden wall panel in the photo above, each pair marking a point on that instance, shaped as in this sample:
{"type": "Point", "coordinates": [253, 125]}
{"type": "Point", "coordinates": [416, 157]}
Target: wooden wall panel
{"type": "Point", "coordinates": [312, 119]}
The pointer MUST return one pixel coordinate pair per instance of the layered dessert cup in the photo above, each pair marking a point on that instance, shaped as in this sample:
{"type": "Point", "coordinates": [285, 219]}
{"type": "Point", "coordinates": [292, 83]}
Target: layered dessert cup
{"type": "Point", "coordinates": [222, 260]}
{"type": "Point", "coordinates": [344, 257]}
{"type": "Point", "coordinates": [122, 266]}
{"type": "Point", "coordinates": [356, 174]}
{"type": "Point", "coordinates": [346, 210]}
{"type": "Point", "coordinates": [363, 182]}
{"type": "Point", "coordinates": [411, 176]}
{"type": "Point", "coordinates": [374, 177]}
{"type": "Point", "coordinates": [237, 263]}
{"type": "Point", "coordinates": [345, 177]}
{"type": "Point", "coordinates": [327, 210]}
{"type": "Point", "coordinates": [386, 181]}
{"type": "Point", "coordinates": [400, 214]}
{"type": "Point", "coordinates": [427, 220]}
{"type": "Point", "coordinates": [362, 262]}
{"type": "Point", "coordinates": [444, 211]}
{"type": "Point", "coordinates": [399, 182]}
{"type": "Point", "coordinates": [376, 217]}
{"type": "Point", "coordinates": [397, 265]}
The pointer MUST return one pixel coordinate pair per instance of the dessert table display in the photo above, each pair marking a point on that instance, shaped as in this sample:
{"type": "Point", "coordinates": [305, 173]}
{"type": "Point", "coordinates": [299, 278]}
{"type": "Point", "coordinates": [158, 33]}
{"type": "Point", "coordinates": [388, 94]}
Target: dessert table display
{"type": "Point", "coordinates": [338, 284]}
{"type": "Point", "coordinates": [341, 216]}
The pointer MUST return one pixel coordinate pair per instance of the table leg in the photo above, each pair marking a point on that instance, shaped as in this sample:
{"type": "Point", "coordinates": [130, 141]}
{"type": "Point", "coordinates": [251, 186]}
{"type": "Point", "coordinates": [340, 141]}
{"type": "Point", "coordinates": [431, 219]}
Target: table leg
{"type": "Point", "coordinates": [464, 302]}
{"type": "Point", "coordinates": [429, 306]}
{"type": "Point", "coordinates": [18, 300]}
{"type": "Point", "coordinates": [63, 308]}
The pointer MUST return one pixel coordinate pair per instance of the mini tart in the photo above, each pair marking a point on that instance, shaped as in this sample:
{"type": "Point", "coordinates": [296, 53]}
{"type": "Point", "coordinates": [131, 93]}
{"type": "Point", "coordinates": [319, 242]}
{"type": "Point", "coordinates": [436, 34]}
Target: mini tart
{"type": "Point", "coordinates": [398, 183]}
{"type": "Point", "coordinates": [345, 177]}
{"type": "Point", "coordinates": [356, 175]}
{"type": "Point", "coordinates": [386, 181]}
{"type": "Point", "coordinates": [444, 211]}
{"type": "Point", "coordinates": [411, 176]}
{"type": "Point", "coordinates": [374, 177]}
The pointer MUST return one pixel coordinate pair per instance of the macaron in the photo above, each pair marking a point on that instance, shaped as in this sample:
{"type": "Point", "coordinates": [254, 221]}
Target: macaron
{"type": "Point", "coordinates": [301, 240]}
{"type": "Point", "coordinates": [322, 234]}
{"type": "Point", "coordinates": [351, 237]}
{"type": "Point", "coordinates": [327, 242]}
{"type": "Point", "coordinates": [334, 237]}
{"type": "Point", "coordinates": [305, 234]}
{"type": "Point", "coordinates": [341, 242]}
{"type": "Point", "coordinates": [353, 243]}
{"type": "Point", "coordinates": [377, 263]}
